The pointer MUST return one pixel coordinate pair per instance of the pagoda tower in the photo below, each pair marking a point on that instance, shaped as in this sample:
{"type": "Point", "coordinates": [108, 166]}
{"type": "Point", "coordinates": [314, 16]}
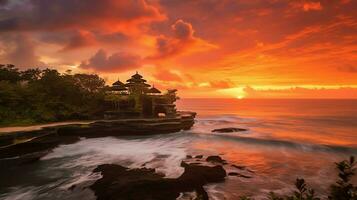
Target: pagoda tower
{"type": "Point", "coordinates": [137, 85]}
{"type": "Point", "coordinates": [118, 86]}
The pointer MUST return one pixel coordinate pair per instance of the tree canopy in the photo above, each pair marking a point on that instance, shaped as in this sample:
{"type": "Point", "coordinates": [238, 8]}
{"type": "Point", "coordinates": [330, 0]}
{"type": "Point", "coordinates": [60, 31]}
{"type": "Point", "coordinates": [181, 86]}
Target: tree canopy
{"type": "Point", "coordinates": [37, 96]}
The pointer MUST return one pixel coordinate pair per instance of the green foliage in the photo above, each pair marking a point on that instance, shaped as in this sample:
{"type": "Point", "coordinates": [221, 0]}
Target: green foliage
{"type": "Point", "coordinates": [302, 193]}
{"type": "Point", "coordinates": [9, 73]}
{"type": "Point", "coordinates": [35, 96]}
{"type": "Point", "coordinates": [343, 189]}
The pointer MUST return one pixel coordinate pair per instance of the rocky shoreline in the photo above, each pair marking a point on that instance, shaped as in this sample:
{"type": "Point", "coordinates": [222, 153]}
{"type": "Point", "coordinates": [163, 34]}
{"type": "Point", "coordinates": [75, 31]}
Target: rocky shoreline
{"type": "Point", "coordinates": [121, 183]}
{"type": "Point", "coordinates": [118, 182]}
{"type": "Point", "coordinates": [28, 146]}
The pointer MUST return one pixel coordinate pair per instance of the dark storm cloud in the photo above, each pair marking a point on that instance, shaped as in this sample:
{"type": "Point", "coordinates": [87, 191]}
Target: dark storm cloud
{"type": "Point", "coordinates": [78, 40]}
{"type": "Point", "coordinates": [19, 50]}
{"type": "Point", "coordinates": [182, 39]}
{"type": "Point", "coordinates": [61, 14]}
{"type": "Point", "coordinates": [3, 2]}
{"type": "Point", "coordinates": [117, 62]}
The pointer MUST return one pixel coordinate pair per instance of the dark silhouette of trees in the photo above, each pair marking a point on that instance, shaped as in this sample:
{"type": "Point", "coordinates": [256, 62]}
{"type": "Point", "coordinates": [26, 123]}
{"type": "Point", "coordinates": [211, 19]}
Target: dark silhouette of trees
{"type": "Point", "coordinates": [36, 96]}
{"type": "Point", "coordinates": [343, 189]}
{"type": "Point", "coordinates": [9, 73]}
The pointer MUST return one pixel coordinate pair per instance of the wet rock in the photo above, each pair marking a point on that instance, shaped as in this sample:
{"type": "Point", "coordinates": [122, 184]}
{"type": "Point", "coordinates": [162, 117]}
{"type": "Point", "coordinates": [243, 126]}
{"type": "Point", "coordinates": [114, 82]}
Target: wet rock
{"type": "Point", "coordinates": [183, 164]}
{"type": "Point", "coordinates": [145, 184]}
{"type": "Point", "coordinates": [239, 167]}
{"type": "Point", "coordinates": [21, 160]}
{"type": "Point", "coordinates": [244, 176]}
{"type": "Point", "coordinates": [229, 130]}
{"type": "Point", "coordinates": [72, 187]}
{"type": "Point", "coordinates": [233, 174]}
{"type": "Point", "coordinates": [35, 146]}
{"type": "Point", "coordinates": [123, 127]}
{"type": "Point", "coordinates": [200, 175]}
{"type": "Point", "coordinates": [242, 168]}
{"type": "Point", "coordinates": [199, 156]}
{"type": "Point", "coordinates": [215, 159]}
{"type": "Point", "coordinates": [238, 175]}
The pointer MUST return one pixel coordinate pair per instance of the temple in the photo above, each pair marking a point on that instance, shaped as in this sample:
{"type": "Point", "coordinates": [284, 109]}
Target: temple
{"type": "Point", "coordinates": [136, 98]}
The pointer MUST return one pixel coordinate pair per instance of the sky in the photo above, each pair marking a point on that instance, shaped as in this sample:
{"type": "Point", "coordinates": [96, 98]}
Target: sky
{"type": "Point", "coordinates": [203, 48]}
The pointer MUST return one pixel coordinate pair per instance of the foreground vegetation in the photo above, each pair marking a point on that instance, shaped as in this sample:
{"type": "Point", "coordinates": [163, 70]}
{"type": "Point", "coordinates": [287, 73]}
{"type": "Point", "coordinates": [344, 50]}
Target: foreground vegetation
{"type": "Point", "coordinates": [40, 96]}
{"type": "Point", "coordinates": [343, 189]}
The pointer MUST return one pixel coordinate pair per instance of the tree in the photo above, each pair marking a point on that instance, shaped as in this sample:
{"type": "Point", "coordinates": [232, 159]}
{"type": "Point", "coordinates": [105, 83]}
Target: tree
{"type": "Point", "coordinates": [89, 82]}
{"type": "Point", "coordinates": [9, 73]}
{"type": "Point", "coordinates": [343, 189]}
{"type": "Point", "coordinates": [36, 95]}
{"type": "Point", "coordinates": [31, 74]}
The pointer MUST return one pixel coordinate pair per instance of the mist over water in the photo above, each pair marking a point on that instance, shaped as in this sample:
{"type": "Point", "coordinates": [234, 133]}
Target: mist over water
{"type": "Point", "coordinates": [286, 139]}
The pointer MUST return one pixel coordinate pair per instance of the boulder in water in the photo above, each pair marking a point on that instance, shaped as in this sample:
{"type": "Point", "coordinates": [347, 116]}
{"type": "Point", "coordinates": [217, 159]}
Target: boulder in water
{"type": "Point", "coordinates": [215, 159]}
{"type": "Point", "coordinates": [238, 175]}
{"type": "Point", "coordinates": [229, 130]}
{"type": "Point", "coordinates": [143, 184]}
{"type": "Point", "coordinates": [199, 156]}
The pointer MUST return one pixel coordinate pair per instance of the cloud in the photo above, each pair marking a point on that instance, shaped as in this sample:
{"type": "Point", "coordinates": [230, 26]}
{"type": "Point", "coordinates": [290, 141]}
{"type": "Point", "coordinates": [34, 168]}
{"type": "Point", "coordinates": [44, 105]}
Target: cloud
{"type": "Point", "coordinates": [3, 2]}
{"type": "Point", "coordinates": [182, 30]}
{"type": "Point", "coordinates": [183, 40]}
{"type": "Point", "coordinates": [307, 6]}
{"type": "Point", "coordinates": [112, 38]}
{"type": "Point", "coordinates": [45, 15]}
{"type": "Point", "coordinates": [349, 69]}
{"type": "Point", "coordinates": [183, 37]}
{"type": "Point", "coordinates": [345, 1]}
{"type": "Point", "coordinates": [302, 92]}
{"type": "Point", "coordinates": [78, 40]}
{"type": "Point", "coordinates": [167, 75]}
{"type": "Point", "coordinates": [221, 84]}
{"type": "Point", "coordinates": [117, 62]}
{"type": "Point", "coordinates": [20, 50]}
{"type": "Point", "coordinates": [260, 42]}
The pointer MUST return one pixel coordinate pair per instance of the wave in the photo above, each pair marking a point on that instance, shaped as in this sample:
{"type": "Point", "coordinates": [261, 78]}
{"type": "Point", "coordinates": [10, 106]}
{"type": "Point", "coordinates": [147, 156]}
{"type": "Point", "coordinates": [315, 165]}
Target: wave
{"type": "Point", "coordinates": [287, 144]}
{"type": "Point", "coordinates": [224, 118]}
{"type": "Point", "coordinates": [163, 153]}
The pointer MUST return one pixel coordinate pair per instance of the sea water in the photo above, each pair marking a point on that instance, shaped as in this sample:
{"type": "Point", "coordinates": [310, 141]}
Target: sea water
{"type": "Point", "coordinates": [286, 139]}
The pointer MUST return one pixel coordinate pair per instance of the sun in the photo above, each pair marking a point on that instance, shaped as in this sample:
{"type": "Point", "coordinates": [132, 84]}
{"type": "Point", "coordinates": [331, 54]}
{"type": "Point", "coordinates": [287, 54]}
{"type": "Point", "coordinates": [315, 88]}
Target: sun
{"type": "Point", "coordinates": [241, 96]}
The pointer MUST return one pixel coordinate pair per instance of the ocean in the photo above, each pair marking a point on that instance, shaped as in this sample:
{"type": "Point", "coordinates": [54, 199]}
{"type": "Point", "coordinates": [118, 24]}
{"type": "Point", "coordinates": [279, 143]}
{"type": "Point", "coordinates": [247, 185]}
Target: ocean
{"type": "Point", "coordinates": [286, 139]}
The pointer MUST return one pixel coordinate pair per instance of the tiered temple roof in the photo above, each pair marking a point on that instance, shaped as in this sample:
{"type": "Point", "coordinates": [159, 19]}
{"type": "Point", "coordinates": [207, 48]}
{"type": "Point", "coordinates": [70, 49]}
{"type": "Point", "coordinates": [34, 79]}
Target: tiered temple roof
{"type": "Point", "coordinates": [136, 80]}
{"type": "Point", "coordinates": [154, 90]}
{"type": "Point", "coordinates": [118, 86]}
{"type": "Point", "coordinates": [137, 98]}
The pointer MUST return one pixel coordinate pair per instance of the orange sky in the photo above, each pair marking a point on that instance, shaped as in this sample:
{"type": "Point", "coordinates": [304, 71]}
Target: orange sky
{"type": "Point", "coordinates": [204, 48]}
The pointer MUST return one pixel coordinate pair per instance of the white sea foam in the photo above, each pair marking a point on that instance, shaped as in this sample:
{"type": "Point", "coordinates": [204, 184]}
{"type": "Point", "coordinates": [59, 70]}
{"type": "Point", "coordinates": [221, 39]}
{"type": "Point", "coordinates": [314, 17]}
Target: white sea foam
{"type": "Point", "coordinates": [19, 194]}
{"type": "Point", "coordinates": [162, 153]}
